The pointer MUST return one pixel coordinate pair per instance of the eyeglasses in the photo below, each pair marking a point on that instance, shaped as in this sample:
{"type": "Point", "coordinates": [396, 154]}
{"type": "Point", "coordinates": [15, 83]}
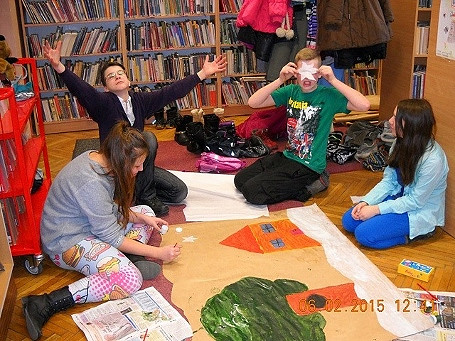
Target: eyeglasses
{"type": "Point", "coordinates": [113, 74]}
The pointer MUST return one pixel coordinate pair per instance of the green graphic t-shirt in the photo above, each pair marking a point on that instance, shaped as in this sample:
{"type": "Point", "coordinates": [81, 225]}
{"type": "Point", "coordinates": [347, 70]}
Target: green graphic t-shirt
{"type": "Point", "coordinates": [309, 119]}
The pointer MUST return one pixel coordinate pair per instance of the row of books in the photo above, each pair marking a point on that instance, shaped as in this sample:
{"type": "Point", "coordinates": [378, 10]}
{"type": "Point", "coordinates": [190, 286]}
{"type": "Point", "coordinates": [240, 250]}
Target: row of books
{"type": "Point", "coordinates": [229, 31]}
{"type": "Point", "coordinates": [240, 60]}
{"type": "Point", "coordinates": [418, 82]}
{"type": "Point", "coordinates": [59, 11]}
{"type": "Point", "coordinates": [147, 8]}
{"type": "Point", "coordinates": [230, 6]}
{"type": "Point", "coordinates": [422, 37]}
{"type": "Point", "coordinates": [159, 68]}
{"type": "Point", "coordinates": [373, 65]}
{"type": "Point", "coordinates": [12, 208]}
{"type": "Point", "coordinates": [62, 107]}
{"type": "Point", "coordinates": [203, 94]}
{"type": "Point", "coordinates": [425, 3]}
{"type": "Point", "coordinates": [237, 91]}
{"type": "Point", "coordinates": [82, 42]}
{"type": "Point", "coordinates": [164, 35]}
{"type": "Point", "coordinates": [88, 71]}
{"type": "Point", "coordinates": [363, 82]}
{"type": "Point", "coordinates": [8, 163]}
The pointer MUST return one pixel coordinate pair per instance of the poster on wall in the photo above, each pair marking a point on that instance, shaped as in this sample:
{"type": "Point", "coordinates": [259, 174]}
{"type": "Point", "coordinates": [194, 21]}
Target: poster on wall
{"type": "Point", "coordinates": [445, 45]}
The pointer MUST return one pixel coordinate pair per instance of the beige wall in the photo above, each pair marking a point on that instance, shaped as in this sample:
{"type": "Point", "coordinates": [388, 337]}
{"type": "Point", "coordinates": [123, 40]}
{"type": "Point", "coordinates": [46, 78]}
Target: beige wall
{"type": "Point", "coordinates": [9, 26]}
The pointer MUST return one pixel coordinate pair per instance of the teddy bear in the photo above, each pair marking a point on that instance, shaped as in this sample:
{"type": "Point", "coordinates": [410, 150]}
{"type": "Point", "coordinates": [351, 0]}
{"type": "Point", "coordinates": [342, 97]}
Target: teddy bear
{"type": "Point", "coordinates": [7, 71]}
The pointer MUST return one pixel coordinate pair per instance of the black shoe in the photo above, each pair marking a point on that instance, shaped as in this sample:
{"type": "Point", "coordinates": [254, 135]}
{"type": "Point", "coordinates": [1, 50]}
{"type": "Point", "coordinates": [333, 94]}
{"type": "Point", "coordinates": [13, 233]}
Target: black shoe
{"type": "Point", "coordinates": [156, 205]}
{"type": "Point", "coordinates": [149, 269]}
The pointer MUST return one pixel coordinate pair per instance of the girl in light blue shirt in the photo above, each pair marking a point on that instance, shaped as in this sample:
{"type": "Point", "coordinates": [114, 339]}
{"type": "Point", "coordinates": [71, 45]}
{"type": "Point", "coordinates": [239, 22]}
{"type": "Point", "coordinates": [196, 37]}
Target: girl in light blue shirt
{"type": "Point", "coordinates": [409, 202]}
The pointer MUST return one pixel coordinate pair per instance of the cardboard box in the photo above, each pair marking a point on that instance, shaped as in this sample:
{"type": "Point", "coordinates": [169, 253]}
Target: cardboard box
{"type": "Point", "coordinates": [416, 270]}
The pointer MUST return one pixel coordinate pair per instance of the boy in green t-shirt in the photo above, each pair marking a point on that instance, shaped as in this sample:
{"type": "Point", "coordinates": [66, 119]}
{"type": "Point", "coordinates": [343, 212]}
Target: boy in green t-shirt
{"type": "Point", "coordinates": [310, 111]}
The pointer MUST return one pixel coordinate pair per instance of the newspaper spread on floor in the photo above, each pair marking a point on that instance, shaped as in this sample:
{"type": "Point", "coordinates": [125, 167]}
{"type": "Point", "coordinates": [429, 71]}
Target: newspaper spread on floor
{"type": "Point", "coordinates": [439, 306]}
{"type": "Point", "coordinates": [146, 315]}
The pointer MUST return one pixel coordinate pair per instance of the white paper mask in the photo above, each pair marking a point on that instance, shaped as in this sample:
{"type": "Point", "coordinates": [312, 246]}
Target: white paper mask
{"type": "Point", "coordinates": [307, 71]}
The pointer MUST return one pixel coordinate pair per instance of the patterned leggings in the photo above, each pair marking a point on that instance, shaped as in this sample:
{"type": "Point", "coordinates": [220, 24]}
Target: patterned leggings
{"type": "Point", "coordinates": [109, 273]}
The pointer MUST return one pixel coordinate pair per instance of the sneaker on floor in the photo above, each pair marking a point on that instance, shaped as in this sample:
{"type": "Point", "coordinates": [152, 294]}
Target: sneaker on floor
{"type": "Point", "coordinates": [365, 150]}
{"type": "Point", "coordinates": [156, 205]}
{"type": "Point", "coordinates": [147, 268]}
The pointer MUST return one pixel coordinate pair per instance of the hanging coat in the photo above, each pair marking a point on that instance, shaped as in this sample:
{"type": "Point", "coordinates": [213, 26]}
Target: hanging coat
{"type": "Point", "coordinates": [345, 24]}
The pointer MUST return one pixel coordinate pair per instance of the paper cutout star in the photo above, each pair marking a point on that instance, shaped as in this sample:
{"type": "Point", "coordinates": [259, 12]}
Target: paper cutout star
{"type": "Point", "coordinates": [307, 71]}
{"type": "Point", "coordinates": [189, 239]}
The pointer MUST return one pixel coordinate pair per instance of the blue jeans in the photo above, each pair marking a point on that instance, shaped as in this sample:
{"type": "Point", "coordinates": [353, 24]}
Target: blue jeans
{"type": "Point", "coordinates": [379, 232]}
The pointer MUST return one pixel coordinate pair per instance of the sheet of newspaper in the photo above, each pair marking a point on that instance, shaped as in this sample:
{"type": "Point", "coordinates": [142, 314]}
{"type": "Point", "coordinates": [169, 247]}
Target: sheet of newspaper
{"type": "Point", "coordinates": [146, 315]}
{"type": "Point", "coordinates": [439, 306]}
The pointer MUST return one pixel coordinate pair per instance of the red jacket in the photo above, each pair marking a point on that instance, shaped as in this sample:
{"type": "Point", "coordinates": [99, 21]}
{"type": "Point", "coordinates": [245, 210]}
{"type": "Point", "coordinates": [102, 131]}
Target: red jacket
{"type": "Point", "coordinates": [264, 15]}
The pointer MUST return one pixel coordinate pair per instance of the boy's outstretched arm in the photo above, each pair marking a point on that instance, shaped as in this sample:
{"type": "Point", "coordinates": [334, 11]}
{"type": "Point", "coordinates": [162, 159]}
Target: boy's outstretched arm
{"type": "Point", "coordinates": [262, 98]}
{"type": "Point", "coordinates": [356, 101]}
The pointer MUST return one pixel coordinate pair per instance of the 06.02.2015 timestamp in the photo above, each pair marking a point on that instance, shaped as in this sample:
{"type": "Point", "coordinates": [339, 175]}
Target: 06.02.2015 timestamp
{"type": "Point", "coordinates": [357, 306]}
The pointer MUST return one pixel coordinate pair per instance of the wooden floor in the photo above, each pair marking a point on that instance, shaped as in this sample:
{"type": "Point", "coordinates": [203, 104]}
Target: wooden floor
{"type": "Point", "coordinates": [437, 252]}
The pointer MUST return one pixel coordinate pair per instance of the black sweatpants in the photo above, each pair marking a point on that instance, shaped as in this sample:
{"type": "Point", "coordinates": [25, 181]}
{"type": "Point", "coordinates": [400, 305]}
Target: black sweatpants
{"type": "Point", "coordinates": [275, 178]}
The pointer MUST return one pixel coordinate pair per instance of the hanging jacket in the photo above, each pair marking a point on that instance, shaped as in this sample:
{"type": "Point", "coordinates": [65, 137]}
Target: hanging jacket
{"type": "Point", "coordinates": [345, 24]}
{"type": "Point", "coordinates": [264, 15]}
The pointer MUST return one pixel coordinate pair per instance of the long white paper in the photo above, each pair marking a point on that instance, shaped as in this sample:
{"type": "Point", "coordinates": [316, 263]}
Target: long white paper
{"type": "Point", "coordinates": [213, 197]}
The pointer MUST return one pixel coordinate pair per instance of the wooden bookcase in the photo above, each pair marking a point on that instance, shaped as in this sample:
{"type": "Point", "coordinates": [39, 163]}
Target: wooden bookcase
{"type": "Point", "coordinates": [23, 150]}
{"type": "Point", "coordinates": [365, 78]}
{"type": "Point", "coordinates": [150, 60]}
{"type": "Point", "coordinates": [403, 73]}
{"type": "Point", "coordinates": [7, 287]}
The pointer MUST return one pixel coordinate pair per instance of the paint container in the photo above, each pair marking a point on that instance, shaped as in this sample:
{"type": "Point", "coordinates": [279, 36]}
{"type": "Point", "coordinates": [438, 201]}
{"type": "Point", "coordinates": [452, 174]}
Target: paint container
{"type": "Point", "coordinates": [164, 229]}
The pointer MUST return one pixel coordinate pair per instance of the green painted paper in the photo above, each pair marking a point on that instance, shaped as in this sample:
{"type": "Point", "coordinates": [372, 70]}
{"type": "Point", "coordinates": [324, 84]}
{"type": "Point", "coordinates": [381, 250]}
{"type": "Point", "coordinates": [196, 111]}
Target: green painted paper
{"type": "Point", "coordinates": [256, 309]}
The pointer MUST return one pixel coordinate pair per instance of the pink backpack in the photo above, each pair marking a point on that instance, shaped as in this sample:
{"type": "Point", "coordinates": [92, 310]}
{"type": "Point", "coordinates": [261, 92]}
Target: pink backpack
{"type": "Point", "coordinates": [211, 162]}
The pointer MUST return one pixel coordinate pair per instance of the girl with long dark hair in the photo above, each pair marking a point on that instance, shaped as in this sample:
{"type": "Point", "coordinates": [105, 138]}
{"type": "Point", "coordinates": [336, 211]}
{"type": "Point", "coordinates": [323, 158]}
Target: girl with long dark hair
{"type": "Point", "coordinates": [88, 225]}
{"type": "Point", "coordinates": [409, 202]}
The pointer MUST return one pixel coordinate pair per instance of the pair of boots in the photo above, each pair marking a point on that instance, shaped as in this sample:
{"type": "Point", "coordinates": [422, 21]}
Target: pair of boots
{"type": "Point", "coordinates": [168, 122]}
{"type": "Point", "coordinates": [199, 133]}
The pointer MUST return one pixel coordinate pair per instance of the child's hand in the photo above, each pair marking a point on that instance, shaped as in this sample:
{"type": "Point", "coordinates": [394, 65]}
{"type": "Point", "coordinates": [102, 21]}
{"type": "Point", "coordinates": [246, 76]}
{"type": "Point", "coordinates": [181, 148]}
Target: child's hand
{"type": "Point", "coordinates": [288, 71]}
{"type": "Point", "coordinates": [169, 253]}
{"type": "Point", "coordinates": [327, 73]}
{"type": "Point", "coordinates": [355, 213]}
{"type": "Point", "coordinates": [153, 221]}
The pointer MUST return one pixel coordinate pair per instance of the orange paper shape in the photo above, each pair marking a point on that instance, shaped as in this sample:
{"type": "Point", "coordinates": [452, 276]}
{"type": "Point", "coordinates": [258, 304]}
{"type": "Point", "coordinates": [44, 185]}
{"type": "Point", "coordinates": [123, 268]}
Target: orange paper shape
{"type": "Point", "coordinates": [267, 237]}
{"type": "Point", "coordinates": [337, 298]}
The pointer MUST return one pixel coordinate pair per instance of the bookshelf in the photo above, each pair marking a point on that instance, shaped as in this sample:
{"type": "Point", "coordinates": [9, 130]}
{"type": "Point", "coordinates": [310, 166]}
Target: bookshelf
{"type": "Point", "coordinates": [22, 151]}
{"type": "Point", "coordinates": [404, 69]}
{"type": "Point", "coordinates": [157, 41]}
{"type": "Point", "coordinates": [365, 78]}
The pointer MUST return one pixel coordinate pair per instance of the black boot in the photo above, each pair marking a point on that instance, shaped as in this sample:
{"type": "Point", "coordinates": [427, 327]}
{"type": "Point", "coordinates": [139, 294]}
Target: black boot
{"type": "Point", "coordinates": [160, 122]}
{"type": "Point", "coordinates": [39, 308]}
{"type": "Point", "coordinates": [159, 208]}
{"type": "Point", "coordinates": [171, 117]}
{"type": "Point", "coordinates": [196, 137]}
{"type": "Point", "coordinates": [180, 129]}
{"type": "Point", "coordinates": [211, 124]}
{"type": "Point", "coordinates": [148, 268]}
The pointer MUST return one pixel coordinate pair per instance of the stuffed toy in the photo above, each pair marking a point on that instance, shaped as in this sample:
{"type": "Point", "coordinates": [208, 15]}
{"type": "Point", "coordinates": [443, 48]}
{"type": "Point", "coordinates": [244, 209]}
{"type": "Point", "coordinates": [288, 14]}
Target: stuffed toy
{"type": "Point", "coordinates": [7, 71]}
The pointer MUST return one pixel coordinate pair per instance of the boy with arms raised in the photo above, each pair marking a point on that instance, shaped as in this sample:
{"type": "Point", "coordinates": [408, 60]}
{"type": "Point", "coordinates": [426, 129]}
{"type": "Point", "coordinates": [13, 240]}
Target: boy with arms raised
{"type": "Point", "coordinates": [310, 110]}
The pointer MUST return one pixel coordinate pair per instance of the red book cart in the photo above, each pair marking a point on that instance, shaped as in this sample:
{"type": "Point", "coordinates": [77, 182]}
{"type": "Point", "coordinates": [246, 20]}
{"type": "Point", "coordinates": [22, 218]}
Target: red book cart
{"type": "Point", "coordinates": [24, 164]}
